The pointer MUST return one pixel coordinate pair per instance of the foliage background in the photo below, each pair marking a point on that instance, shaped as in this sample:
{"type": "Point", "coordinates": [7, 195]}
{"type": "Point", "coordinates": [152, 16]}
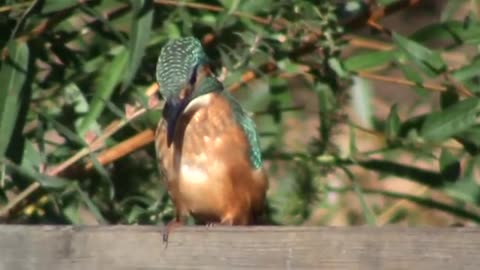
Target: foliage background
{"type": "Point", "coordinates": [367, 110]}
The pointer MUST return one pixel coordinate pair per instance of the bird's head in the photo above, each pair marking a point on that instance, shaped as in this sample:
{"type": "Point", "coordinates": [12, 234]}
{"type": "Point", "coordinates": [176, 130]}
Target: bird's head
{"type": "Point", "coordinates": [183, 74]}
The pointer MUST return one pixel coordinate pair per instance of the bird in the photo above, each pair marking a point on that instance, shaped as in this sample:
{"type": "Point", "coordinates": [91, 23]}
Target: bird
{"type": "Point", "coordinates": [207, 146]}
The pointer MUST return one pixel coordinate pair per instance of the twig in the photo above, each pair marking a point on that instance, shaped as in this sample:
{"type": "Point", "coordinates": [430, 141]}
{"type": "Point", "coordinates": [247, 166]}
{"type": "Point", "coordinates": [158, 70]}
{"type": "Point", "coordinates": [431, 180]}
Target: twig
{"type": "Point", "coordinates": [123, 148]}
{"type": "Point", "coordinates": [19, 198]}
{"type": "Point", "coordinates": [428, 86]}
{"type": "Point", "coordinates": [462, 90]}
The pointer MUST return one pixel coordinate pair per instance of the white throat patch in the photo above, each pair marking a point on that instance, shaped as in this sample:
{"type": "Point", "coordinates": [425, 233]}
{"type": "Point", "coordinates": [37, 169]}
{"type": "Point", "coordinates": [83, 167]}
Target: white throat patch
{"type": "Point", "coordinates": [198, 102]}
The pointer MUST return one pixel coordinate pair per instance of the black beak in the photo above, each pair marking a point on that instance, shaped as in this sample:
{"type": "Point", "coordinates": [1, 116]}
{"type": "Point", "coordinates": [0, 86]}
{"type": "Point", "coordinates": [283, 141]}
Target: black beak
{"type": "Point", "coordinates": [171, 112]}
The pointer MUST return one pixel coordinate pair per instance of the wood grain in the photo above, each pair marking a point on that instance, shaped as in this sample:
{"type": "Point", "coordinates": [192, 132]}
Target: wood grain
{"type": "Point", "coordinates": [140, 247]}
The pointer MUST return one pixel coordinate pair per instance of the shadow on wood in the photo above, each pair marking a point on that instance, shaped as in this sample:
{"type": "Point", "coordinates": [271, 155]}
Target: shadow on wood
{"type": "Point", "coordinates": [141, 247]}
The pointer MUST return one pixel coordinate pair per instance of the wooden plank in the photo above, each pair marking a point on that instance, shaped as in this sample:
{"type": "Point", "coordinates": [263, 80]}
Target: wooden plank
{"type": "Point", "coordinates": [140, 247]}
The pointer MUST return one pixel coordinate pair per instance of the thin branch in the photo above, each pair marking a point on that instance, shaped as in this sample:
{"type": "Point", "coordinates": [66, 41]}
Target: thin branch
{"type": "Point", "coordinates": [401, 81]}
{"type": "Point", "coordinates": [123, 148]}
{"type": "Point", "coordinates": [19, 198]}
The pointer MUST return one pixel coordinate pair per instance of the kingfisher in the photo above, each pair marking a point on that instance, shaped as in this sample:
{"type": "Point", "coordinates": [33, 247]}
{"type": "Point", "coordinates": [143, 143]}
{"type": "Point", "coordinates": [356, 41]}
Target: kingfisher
{"type": "Point", "coordinates": [207, 146]}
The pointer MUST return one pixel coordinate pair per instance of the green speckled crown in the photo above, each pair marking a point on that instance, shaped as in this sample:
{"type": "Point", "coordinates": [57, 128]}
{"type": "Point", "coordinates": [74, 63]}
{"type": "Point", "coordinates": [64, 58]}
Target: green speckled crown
{"type": "Point", "coordinates": [176, 63]}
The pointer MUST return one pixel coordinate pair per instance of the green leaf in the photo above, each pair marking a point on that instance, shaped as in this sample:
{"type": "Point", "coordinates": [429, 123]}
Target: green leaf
{"type": "Point", "coordinates": [335, 65]}
{"type": "Point", "coordinates": [327, 103]}
{"type": "Point", "coordinates": [109, 77]}
{"type": "Point", "coordinates": [46, 181]}
{"type": "Point", "coordinates": [470, 139]}
{"type": "Point", "coordinates": [65, 131]}
{"type": "Point", "coordinates": [413, 75]}
{"type": "Point", "coordinates": [426, 177]}
{"type": "Point", "coordinates": [452, 31]}
{"type": "Point", "coordinates": [362, 100]}
{"type": "Point", "coordinates": [32, 159]}
{"type": "Point", "coordinates": [141, 28]}
{"type": "Point", "coordinates": [370, 60]}
{"type": "Point", "coordinates": [13, 75]}
{"type": "Point", "coordinates": [449, 165]}
{"type": "Point", "coordinates": [392, 125]}
{"type": "Point", "coordinates": [50, 6]}
{"type": "Point", "coordinates": [468, 71]}
{"type": "Point", "coordinates": [466, 189]}
{"type": "Point", "coordinates": [429, 61]}
{"type": "Point", "coordinates": [75, 98]}
{"type": "Point", "coordinates": [352, 141]}
{"type": "Point", "coordinates": [90, 205]}
{"type": "Point", "coordinates": [453, 120]}
{"type": "Point", "coordinates": [367, 212]}
{"type": "Point", "coordinates": [71, 212]}
{"type": "Point", "coordinates": [104, 175]}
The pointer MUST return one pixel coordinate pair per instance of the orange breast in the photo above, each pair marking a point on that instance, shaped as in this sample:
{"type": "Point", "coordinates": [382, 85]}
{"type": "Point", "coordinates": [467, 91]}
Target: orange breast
{"type": "Point", "coordinates": [207, 168]}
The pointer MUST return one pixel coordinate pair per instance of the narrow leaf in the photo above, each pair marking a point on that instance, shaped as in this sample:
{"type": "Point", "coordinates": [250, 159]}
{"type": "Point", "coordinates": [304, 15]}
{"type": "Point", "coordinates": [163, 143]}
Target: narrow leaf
{"type": "Point", "coordinates": [362, 101]}
{"type": "Point", "coordinates": [107, 80]}
{"type": "Point", "coordinates": [50, 6]}
{"type": "Point", "coordinates": [141, 28]}
{"type": "Point", "coordinates": [46, 181]}
{"type": "Point", "coordinates": [367, 212]}
{"type": "Point", "coordinates": [91, 205]}
{"type": "Point", "coordinates": [104, 174]}
{"type": "Point", "coordinates": [370, 60]}
{"type": "Point", "coordinates": [455, 119]}
{"type": "Point", "coordinates": [392, 125]}
{"type": "Point", "coordinates": [13, 75]}
{"type": "Point", "coordinates": [429, 61]}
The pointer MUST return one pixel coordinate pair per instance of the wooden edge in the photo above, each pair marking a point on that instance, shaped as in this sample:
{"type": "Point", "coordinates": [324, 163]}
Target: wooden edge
{"type": "Point", "coordinates": [264, 247]}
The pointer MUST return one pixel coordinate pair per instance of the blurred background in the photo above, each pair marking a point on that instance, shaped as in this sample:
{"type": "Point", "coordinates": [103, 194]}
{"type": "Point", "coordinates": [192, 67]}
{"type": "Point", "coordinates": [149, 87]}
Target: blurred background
{"type": "Point", "coordinates": [366, 110]}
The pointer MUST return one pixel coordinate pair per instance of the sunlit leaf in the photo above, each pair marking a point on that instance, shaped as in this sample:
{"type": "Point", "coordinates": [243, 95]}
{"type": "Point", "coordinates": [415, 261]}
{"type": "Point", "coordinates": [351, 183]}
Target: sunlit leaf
{"type": "Point", "coordinates": [13, 74]}
{"type": "Point", "coordinates": [430, 61]}
{"type": "Point", "coordinates": [362, 101]}
{"type": "Point", "coordinates": [109, 77]}
{"type": "Point", "coordinates": [369, 60]}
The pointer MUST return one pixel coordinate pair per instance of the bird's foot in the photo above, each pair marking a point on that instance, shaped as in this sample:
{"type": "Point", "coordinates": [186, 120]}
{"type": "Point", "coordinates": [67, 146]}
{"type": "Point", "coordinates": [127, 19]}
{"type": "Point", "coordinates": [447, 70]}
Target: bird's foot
{"type": "Point", "coordinates": [210, 225]}
{"type": "Point", "coordinates": [169, 228]}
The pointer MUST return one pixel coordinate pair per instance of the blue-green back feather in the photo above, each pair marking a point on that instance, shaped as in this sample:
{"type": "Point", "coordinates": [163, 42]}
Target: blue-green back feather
{"type": "Point", "coordinates": [249, 128]}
